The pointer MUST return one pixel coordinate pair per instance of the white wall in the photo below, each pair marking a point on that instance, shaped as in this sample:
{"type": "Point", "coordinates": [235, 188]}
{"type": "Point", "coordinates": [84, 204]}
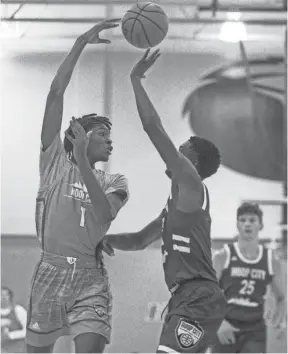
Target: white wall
{"type": "Point", "coordinates": [25, 80]}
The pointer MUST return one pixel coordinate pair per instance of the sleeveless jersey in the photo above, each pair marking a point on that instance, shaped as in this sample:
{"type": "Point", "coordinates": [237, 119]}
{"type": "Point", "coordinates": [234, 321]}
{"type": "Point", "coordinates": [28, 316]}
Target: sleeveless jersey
{"type": "Point", "coordinates": [244, 283]}
{"type": "Point", "coordinates": [65, 223]}
{"type": "Point", "coordinates": [186, 244]}
{"type": "Point", "coordinates": [10, 320]}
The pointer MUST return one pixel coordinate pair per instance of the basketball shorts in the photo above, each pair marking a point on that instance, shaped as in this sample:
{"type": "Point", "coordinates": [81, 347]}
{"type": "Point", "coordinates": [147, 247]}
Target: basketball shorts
{"type": "Point", "coordinates": [248, 340]}
{"type": "Point", "coordinates": [195, 312]}
{"type": "Point", "coordinates": [67, 298]}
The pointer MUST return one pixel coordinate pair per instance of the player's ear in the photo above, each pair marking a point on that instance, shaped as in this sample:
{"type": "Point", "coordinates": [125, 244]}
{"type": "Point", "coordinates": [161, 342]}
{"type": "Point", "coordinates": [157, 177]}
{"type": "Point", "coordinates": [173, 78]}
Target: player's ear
{"type": "Point", "coordinates": [261, 226]}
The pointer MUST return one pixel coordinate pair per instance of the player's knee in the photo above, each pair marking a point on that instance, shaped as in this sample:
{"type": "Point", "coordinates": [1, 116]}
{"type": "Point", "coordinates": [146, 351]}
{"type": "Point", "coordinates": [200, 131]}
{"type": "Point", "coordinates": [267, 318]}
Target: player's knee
{"type": "Point", "coordinates": [90, 343]}
{"type": "Point", "coordinates": [33, 349]}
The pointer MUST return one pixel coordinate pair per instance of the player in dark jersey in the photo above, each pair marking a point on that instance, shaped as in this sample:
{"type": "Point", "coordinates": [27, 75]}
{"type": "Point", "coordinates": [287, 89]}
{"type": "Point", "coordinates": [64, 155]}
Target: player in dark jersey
{"type": "Point", "coordinates": [75, 205]}
{"type": "Point", "coordinates": [197, 304]}
{"type": "Point", "coordinates": [245, 269]}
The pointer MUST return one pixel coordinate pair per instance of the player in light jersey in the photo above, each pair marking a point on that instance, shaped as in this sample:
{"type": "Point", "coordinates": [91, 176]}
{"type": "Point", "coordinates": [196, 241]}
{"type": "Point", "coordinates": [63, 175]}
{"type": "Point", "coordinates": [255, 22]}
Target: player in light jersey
{"type": "Point", "coordinates": [75, 205]}
{"type": "Point", "coordinates": [245, 269]}
{"type": "Point", "coordinates": [197, 305]}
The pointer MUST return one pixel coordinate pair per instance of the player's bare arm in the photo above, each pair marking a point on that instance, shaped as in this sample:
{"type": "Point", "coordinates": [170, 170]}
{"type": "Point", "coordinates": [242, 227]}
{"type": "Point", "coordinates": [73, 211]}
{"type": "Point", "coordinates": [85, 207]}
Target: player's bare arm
{"type": "Point", "coordinates": [103, 211]}
{"type": "Point", "coordinates": [182, 169]}
{"type": "Point", "coordinates": [278, 285]}
{"type": "Point", "coordinates": [219, 260]}
{"type": "Point", "coordinates": [136, 241]}
{"type": "Point", "coordinates": [54, 104]}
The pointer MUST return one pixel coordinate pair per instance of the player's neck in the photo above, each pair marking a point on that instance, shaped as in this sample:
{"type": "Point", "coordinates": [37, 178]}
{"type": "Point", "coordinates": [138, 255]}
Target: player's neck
{"type": "Point", "coordinates": [249, 249]}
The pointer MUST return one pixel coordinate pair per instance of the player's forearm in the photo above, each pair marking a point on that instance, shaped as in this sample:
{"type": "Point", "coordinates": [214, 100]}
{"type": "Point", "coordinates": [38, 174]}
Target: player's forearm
{"type": "Point", "coordinates": [136, 241]}
{"type": "Point", "coordinates": [65, 71]}
{"type": "Point", "coordinates": [100, 203]}
{"type": "Point", "coordinates": [148, 114]}
{"type": "Point", "coordinates": [125, 241]}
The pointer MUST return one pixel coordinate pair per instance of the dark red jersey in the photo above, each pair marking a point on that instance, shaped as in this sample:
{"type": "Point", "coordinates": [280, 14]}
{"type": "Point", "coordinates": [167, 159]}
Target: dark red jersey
{"type": "Point", "coordinates": [186, 244]}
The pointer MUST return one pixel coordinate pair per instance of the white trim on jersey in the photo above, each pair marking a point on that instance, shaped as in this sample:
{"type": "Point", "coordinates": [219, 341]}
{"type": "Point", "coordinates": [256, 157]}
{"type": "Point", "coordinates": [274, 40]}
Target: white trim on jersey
{"type": "Point", "coordinates": [181, 248]}
{"type": "Point", "coordinates": [181, 238]}
{"type": "Point", "coordinates": [270, 261]}
{"type": "Point", "coordinates": [165, 349]}
{"type": "Point", "coordinates": [204, 205]}
{"type": "Point", "coordinates": [245, 260]}
{"type": "Point", "coordinates": [228, 256]}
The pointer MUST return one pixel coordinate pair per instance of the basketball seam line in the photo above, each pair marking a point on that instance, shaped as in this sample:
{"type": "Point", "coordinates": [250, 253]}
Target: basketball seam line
{"type": "Point", "coordinates": [135, 22]}
{"type": "Point", "coordinates": [153, 11]}
{"type": "Point", "coordinates": [139, 14]}
{"type": "Point", "coordinates": [147, 38]}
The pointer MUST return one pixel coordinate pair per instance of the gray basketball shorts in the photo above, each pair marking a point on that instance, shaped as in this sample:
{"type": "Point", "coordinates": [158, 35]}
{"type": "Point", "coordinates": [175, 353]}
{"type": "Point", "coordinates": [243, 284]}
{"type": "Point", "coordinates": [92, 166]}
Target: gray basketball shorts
{"type": "Point", "coordinates": [67, 299]}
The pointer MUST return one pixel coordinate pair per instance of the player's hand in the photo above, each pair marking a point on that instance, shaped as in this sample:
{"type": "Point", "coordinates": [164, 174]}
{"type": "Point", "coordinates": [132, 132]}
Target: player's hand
{"type": "Point", "coordinates": [92, 36]}
{"type": "Point", "coordinates": [226, 333]}
{"type": "Point", "coordinates": [78, 138]}
{"type": "Point", "coordinates": [144, 64]}
{"type": "Point", "coordinates": [107, 248]}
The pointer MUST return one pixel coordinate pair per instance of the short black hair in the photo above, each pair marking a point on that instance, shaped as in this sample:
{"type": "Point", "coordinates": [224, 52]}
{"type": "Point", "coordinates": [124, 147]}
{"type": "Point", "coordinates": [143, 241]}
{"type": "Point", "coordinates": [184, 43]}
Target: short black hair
{"type": "Point", "coordinates": [209, 157]}
{"type": "Point", "coordinates": [88, 122]}
{"type": "Point", "coordinates": [250, 208]}
{"type": "Point", "coordinates": [10, 292]}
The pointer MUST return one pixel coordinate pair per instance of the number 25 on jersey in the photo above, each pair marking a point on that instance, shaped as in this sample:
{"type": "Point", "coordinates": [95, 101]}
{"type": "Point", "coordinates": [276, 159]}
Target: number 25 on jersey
{"type": "Point", "coordinates": [248, 287]}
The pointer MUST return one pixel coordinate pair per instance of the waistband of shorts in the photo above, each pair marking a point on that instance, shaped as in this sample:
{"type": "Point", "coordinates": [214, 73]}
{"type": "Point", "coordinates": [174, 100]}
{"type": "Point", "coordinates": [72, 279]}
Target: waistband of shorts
{"type": "Point", "coordinates": [192, 282]}
{"type": "Point", "coordinates": [67, 262]}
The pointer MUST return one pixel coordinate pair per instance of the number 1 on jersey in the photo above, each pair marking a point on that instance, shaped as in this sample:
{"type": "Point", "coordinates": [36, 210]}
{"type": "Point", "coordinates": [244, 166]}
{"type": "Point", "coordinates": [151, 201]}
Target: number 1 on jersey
{"type": "Point", "coordinates": [82, 220]}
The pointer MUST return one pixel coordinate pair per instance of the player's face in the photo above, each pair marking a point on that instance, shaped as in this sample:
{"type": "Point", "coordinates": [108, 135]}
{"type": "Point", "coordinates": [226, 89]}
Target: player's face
{"type": "Point", "coordinates": [187, 150]}
{"type": "Point", "coordinates": [5, 299]}
{"type": "Point", "coordinates": [249, 226]}
{"type": "Point", "coordinates": [100, 144]}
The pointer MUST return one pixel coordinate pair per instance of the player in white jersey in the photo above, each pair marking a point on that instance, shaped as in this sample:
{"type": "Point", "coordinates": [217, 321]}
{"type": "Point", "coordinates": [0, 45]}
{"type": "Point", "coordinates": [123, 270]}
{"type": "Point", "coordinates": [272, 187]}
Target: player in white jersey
{"type": "Point", "coordinates": [245, 270]}
{"type": "Point", "coordinates": [70, 293]}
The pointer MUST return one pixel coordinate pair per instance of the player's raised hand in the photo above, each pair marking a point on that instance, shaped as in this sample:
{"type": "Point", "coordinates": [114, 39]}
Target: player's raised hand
{"type": "Point", "coordinates": [77, 136]}
{"type": "Point", "coordinates": [92, 36]}
{"type": "Point", "coordinates": [144, 64]}
{"type": "Point", "coordinates": [226, 333]}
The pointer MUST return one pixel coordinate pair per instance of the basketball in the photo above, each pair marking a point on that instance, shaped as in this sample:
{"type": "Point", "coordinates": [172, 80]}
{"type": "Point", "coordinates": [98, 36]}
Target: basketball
{"type": "Point", "coordinates": [145, 25]}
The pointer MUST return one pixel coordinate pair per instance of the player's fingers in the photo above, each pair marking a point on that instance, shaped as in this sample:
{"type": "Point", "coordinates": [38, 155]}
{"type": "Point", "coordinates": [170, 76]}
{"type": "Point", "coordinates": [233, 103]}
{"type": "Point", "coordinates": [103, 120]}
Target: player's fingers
{"type": "Point", "coordinates": [146, 54]}
{"type": "Point", "coordinates": [104, 41]}
{"type": "Point", "coordinates": [110, 25]}
{"type": "Point", "coordinates": [114, 20]}
{"type": "Point", "coordinates": [155, 53]}
{"type": "Point", "coordinates": [69, 137]}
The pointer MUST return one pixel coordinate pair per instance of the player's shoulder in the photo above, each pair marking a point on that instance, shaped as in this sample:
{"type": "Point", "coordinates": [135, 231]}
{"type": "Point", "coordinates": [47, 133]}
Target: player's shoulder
{"type": "Point", "coordinates": [112, 179]}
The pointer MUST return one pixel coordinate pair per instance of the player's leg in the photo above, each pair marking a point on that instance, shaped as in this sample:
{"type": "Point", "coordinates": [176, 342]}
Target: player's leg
{"type": "Point", "coordinates": [90, 316]}
{"type": "Point", "coordinates": [46, 316]}
{"type": "Point", "coordinates": [194, 317]}
{"type": "Point", "coordinates": [90, 343]}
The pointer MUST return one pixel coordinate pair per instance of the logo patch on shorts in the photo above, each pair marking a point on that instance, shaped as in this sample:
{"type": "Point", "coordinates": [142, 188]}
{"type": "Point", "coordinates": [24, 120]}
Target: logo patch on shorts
{"type": "Point", "coordinates": [99, 310]}
{"type": "Point", "coordinates": [188, 334]}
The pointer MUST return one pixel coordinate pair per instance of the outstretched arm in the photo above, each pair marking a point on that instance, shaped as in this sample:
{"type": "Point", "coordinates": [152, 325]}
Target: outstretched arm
{"type": "Point", "coordinates": [54, 104]}
{"type": "Point", "coordinates": [179, 165]}
{"type": "Point", "coordinates": [136, 241]}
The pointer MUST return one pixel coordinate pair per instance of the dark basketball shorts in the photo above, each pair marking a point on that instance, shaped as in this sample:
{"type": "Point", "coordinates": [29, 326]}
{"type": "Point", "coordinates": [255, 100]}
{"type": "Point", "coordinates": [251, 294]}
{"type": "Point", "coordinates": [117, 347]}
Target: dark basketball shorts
{"type": "Point", "coordinates": [249, 340]}
{"type": "Point", "coordinates": [195, 312]}
{"type": "Point", "coordinates": [68, 300]}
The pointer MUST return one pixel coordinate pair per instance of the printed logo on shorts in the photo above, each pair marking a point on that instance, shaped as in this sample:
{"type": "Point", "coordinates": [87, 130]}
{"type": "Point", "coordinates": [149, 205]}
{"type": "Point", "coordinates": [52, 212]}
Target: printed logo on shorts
{"type": "Point", "coordinates": [188, 334]}
{"type": "Point", "coordinates": [99, 310]}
